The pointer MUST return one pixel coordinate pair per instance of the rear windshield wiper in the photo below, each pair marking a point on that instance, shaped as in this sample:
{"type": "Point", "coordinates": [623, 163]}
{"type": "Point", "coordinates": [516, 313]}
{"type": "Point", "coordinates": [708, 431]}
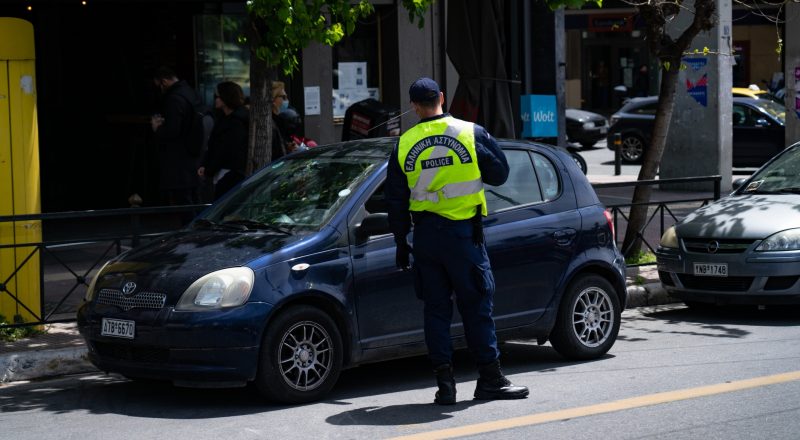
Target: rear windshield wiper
{"type": "Point", "coordinates": [252, 224]}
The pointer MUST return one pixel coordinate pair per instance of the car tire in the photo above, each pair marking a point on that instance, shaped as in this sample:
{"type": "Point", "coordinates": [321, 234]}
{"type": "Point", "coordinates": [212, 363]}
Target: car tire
{"type": "Point", "coordinates": [588, 319]}
{"type": "Point", "coordinates": [632, 149]}
{"type": "Point", "coordinates": [301, 356]}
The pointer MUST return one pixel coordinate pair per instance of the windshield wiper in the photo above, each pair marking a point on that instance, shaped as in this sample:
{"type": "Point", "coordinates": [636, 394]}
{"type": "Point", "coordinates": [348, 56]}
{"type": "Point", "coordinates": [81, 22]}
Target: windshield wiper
{"type": "Point", "coordinates": [789, 190]}
{"type": "Point", "coordinates": [205, 223]}
{"type": "Point", "coordinates": [252, 224]}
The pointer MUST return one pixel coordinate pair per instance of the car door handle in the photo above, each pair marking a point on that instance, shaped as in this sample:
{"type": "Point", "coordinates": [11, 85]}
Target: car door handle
{"type": "Point", "coordinates": [564, 237]}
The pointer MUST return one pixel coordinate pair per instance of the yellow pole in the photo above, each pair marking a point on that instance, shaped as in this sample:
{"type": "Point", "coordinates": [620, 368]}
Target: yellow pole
{"type": "Point", "coordinates": [19, 170]}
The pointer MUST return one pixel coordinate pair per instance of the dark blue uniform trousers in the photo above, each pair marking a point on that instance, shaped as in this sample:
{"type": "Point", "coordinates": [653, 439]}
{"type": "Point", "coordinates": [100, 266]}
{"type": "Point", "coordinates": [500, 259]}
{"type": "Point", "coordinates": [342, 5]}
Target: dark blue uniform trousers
{"type": "Point", "coordinates": [447, 264]}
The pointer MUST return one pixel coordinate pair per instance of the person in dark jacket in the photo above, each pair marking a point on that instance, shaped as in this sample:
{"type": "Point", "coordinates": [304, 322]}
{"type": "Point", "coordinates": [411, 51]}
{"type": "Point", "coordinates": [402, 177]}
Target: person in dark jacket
{"type": "Point", "coordinates": [178, 181]}
{"type": "Point", "coordinates": [435, 178]}
{"type": "Point", "coordinates": [226, 159]}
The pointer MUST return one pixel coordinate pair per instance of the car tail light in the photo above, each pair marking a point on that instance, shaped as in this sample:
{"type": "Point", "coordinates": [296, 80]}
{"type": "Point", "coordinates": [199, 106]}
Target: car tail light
{"type": "Point", "coordinates": [610, 220]}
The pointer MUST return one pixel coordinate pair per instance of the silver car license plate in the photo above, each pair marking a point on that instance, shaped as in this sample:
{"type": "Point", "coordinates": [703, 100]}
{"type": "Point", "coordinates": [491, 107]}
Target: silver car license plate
{"type": "Point", "coordinates": [118, 328]}
{"type": "Point", "coordinates": [711, 269]}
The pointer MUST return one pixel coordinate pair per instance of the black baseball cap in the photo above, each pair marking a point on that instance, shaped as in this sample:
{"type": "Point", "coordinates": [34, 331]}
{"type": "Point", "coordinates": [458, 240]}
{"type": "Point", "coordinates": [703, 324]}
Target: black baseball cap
{"type": "Point", "coordinates": [423, 89]}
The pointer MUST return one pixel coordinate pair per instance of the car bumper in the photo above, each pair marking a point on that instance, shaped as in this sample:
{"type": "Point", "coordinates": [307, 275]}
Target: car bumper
{"type": "Point", "coordinates": [188, 348]}
{"type": "Point", "coordinates": [753, 278]}
{"type": "Point", "coordinates": [584, 136]}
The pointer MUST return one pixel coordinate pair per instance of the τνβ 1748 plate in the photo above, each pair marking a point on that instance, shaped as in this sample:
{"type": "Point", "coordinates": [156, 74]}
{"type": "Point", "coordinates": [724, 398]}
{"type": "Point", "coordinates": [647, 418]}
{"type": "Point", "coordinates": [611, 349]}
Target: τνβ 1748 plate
{"type": "Point", "coordinates": [711, 269]}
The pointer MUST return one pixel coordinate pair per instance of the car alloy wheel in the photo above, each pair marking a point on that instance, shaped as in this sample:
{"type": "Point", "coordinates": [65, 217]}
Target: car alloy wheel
{"type": "Point", "coordinates": [301, 356]}
{"type": "Point", "coordinates": [588, 319]}
{"type": "Point", "coordinates": [632, 149]}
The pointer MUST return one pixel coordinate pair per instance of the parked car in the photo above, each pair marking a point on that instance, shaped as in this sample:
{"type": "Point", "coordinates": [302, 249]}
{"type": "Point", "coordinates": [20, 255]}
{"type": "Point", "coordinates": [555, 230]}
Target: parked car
{"type": "Point", "coordinates": [741, 249]}
{"type": "Point", "coordinates": [291, 276]}
{"type": "Point", "coordinates": [585, 128]}
{"type": "Point", "coordinates": [758, 129]}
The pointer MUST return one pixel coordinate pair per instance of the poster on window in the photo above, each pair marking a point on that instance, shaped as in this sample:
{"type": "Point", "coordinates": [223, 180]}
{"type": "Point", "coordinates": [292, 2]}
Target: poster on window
{"type": "Point", "coordinates": [352, 75]}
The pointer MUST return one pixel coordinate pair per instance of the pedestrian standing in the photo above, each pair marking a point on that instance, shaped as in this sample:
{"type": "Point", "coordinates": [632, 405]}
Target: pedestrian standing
{"type": "Point", "coordinates": [178, 180]}
{"type": "Point", "coordinates": [226, 159]}
{"type": "Point", "coordinates": [435, 181]}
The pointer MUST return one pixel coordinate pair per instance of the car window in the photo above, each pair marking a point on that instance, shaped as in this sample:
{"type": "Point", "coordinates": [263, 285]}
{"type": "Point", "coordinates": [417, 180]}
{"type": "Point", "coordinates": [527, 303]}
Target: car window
{"type": "Point", "coordinates": [548, 177]}
{"type": "Point", "coordinates": [782, 175]}
{"type": "Point", "coordinates": [648, 109]}
{"type": "Point", "coordinates": [521, 188]}
{"type": "Point", "coordinates": [744, 116]}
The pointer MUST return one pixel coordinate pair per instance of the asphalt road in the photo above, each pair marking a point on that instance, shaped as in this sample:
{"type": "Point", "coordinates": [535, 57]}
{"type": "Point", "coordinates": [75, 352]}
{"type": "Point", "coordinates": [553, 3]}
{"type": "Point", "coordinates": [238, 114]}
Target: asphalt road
{"type": "Point", "coordinates": [673, 374]}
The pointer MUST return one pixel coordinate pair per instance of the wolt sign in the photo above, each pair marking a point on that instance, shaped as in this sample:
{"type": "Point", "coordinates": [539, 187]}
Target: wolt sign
{"type": "Point", "coordinates": [539, 117]}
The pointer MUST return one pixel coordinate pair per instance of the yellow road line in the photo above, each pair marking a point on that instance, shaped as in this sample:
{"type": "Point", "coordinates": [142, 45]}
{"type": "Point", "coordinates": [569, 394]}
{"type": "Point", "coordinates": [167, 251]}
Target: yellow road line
{"type": "Point", "coordinates": [602, 408]}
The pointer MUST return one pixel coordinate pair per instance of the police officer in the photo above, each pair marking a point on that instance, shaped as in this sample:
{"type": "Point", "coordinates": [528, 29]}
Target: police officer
{"type": "Point", "coordinates": [435, 179]}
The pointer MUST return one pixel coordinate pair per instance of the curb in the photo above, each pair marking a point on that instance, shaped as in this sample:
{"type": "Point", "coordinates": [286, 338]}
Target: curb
{"type": "Point", "coordinates": [44, 363]}
{"type": "Point", "coordinates": [40, 364]}
{"type": "Point", "coordinates": [650, 294]}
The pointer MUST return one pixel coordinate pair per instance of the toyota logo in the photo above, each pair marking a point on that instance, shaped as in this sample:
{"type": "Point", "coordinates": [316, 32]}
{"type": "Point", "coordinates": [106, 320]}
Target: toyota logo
{"type": "Point", "coordinates": [128, 288]}
{"type": "Point", "coordinates": [712, 247]}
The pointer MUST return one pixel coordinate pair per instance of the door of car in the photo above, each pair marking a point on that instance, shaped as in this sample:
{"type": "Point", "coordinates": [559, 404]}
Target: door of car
{"type": "Point", "coordinates": [531, 233]}
{"type": "Point", "coordinates": [756, 137]}
{"type": "Point", "coordinates": [387, 309]}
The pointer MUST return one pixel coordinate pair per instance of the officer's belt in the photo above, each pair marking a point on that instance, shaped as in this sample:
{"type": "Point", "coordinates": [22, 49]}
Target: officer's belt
{"type": "Point", "coordinates": [449, 191]}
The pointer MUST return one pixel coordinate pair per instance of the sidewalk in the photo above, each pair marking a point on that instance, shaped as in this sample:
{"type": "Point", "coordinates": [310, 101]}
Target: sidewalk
{"type": "Point", "coordinates": [61, 350]}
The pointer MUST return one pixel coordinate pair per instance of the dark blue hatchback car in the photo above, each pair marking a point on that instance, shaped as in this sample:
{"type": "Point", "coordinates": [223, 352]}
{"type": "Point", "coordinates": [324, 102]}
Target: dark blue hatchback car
{"type": "Point", "coordinates": [291, 277]}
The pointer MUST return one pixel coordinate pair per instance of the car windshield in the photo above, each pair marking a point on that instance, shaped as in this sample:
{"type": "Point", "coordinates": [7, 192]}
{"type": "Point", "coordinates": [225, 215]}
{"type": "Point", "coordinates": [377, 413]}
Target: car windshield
{"type": "Point", "coordinates": [772, 108]}
{"type": "Point", "coordinates": [302, 191]}
{"type": "Point", "coordinates": [779, 177]}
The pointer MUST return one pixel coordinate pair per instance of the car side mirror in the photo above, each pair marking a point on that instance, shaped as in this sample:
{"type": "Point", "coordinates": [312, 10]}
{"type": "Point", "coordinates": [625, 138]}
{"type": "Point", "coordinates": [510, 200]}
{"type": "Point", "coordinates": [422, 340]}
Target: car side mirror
{"type": "Point", "coordinates": [738, 183]}
{"type": "Point", "coordinates": [762, 122]}
{"type": "Point", "coordinates": [373, 224]}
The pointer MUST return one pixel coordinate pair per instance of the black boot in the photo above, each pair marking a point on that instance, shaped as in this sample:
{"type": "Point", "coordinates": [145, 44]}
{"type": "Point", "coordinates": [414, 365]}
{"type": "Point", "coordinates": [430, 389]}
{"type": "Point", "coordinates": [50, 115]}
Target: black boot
{"type": "Point", "coordinates": [447, 385]}
{"type": "Point", "coordinates": [492, 385]}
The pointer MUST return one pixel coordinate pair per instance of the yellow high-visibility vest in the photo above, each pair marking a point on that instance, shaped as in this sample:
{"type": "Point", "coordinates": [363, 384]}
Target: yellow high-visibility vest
{"type": "Point", "coordinates": [438, 157]}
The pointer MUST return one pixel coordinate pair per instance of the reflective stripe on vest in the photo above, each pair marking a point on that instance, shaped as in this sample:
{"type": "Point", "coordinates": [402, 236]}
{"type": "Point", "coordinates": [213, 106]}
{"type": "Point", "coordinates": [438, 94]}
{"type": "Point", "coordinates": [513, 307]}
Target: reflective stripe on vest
{"type": "Point", "coordinates": [440, 162]}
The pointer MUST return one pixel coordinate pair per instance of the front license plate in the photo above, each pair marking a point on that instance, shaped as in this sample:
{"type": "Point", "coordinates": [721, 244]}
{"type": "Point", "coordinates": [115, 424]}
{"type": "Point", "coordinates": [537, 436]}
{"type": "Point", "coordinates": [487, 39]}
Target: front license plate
{"type": "Point", "coordinates": [118, 328]}
{"type": "Point", "coordinates": [711, 269]}
{"type": "Point", "coordinates": [603, 130]}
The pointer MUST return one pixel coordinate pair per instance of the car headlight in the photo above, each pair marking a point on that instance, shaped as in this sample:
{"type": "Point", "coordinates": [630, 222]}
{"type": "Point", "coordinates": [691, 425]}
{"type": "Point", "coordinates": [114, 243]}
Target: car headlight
{"type": "Point", "coordinates": [788, 240]}
{"type": "Point", "coordinates": [669, 239]}
{"type": "Point", "coordinates": [224, 288]}
{"type": "Point", "coordinates": [588, 125]}
{"type": "Point", "coordinates": [90, 291]}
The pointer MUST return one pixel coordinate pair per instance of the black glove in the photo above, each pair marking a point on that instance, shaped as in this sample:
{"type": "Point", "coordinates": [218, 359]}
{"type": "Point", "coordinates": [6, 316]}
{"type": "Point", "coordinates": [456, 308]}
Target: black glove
{"type": "Point", "coordinates": [402, 256]}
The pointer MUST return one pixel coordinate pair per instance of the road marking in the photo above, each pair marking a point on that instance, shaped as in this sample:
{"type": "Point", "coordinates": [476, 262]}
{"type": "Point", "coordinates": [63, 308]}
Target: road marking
{"type": "Point", "coordinates": [602, 408]}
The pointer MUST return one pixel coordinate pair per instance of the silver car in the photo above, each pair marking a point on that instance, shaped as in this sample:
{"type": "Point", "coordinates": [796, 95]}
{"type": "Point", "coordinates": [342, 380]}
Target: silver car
{"type": "Point", "coordinates": [741, 249]}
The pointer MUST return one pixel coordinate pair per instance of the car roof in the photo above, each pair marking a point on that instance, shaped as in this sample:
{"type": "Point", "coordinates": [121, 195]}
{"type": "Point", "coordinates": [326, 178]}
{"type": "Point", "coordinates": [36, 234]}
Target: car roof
{"type": "Point", "coordinates": [747, 91]}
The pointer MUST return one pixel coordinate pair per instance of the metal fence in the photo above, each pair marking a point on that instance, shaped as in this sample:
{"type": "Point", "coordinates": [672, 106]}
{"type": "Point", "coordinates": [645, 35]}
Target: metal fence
{"type": "Point", "coordinates": [663, 211]}
{"type": "Point", "coordinates": [76, 244]}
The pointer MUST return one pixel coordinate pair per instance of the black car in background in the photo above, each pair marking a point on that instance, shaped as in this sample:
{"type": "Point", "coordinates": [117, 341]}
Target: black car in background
{"type": "Point", "coordinates": [585, 128]}
{"type": "Point", "coordinates": [758, 129]}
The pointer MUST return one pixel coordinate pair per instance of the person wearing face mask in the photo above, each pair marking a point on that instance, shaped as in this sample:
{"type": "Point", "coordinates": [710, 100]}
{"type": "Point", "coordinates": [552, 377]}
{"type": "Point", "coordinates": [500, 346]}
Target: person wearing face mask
{"type": "Point", "coordinates": [280, 102]}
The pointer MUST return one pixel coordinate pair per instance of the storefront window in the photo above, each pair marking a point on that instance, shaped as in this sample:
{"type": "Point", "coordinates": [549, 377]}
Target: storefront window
{"type": "Point", "coordinates": [356, 66]}
{"type": "Point", "coordinates": [219, 56]}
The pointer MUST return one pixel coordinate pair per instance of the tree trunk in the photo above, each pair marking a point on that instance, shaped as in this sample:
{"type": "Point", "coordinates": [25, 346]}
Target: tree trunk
{"type": "Point", "coordinates": [650, 161]}
{"type": "Point", "coordinates": [259, 150]}
{"type": "Point", "coordinates": [669, 52]}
